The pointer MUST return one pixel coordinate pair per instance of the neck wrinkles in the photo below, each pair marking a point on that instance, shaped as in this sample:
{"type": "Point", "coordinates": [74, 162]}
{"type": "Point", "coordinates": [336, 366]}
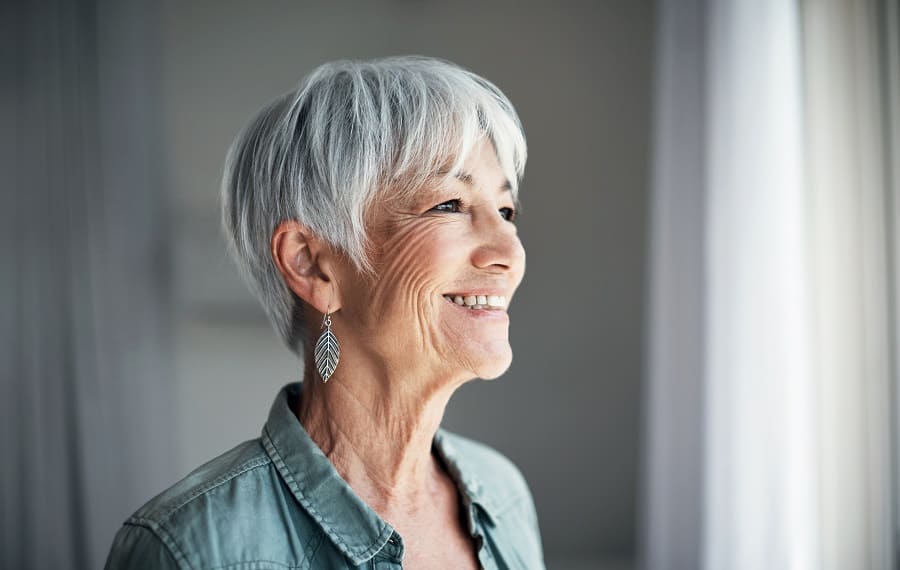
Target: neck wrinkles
{"type": "Point", "coordinates": [378, 433]}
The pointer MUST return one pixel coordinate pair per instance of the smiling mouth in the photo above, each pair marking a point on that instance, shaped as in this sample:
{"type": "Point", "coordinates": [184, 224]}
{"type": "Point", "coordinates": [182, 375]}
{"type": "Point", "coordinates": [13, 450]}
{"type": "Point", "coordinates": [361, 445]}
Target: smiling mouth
{"type": "Point", "coordinates": [478, 302]}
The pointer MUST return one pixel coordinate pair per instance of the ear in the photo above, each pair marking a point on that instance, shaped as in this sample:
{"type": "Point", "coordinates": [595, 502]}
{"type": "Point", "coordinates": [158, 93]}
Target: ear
{"type": "Point", "coordinates": [307, 265]}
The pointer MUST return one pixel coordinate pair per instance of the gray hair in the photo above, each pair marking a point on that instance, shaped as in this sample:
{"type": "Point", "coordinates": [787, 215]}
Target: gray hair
{"type": "Point", "coordinates": [352, 131]}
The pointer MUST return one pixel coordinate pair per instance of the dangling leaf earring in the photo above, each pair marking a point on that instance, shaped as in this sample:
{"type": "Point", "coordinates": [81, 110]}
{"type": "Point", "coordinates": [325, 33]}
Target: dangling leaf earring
{"type": "Point", "coordinates": [328, 351]}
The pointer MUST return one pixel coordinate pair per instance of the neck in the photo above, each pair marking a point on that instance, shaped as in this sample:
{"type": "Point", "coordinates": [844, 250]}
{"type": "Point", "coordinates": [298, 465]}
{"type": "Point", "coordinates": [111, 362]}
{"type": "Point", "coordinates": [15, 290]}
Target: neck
{"type": "Point", "coordinates": [377, 430]}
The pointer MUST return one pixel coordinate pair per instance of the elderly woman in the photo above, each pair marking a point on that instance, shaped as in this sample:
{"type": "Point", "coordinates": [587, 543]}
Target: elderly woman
{"type": "Point", "coordinates": [373, 211]}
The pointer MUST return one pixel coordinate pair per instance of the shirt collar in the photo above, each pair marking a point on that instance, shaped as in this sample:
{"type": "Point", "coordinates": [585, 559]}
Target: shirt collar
{"type": "Point", "coordinates": [465, 475]}
{"type": "Point", "coordinates": [355, 529]}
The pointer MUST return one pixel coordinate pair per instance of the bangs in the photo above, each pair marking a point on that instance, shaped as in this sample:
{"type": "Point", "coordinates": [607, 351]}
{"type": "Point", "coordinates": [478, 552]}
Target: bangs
{"type": "Point", "coordinates": [438, 125]}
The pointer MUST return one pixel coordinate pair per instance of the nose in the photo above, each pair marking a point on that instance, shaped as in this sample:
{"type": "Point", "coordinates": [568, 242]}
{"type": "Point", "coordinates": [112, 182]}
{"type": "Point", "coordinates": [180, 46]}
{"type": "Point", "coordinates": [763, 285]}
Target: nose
{"type": "Point", "coordinates": [499, 246]}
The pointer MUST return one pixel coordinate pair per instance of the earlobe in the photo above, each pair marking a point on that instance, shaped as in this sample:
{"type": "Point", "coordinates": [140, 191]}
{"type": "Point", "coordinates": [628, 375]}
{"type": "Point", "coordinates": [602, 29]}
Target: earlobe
{"type": "Point", "coordinates": [302, 260]}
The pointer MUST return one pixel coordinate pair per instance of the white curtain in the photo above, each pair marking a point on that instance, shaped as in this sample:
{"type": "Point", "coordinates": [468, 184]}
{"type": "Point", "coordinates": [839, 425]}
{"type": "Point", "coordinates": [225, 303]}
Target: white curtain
{"type": "Point", "coordinates": [772, 374]}
{"type": "Point", "coordinates": [848, 105]}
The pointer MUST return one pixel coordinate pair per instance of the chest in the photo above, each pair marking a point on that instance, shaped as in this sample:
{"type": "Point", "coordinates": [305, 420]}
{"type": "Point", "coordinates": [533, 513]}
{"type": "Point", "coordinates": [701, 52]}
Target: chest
{"type": "Point", "coordinates": [452, 548]}
{"type": "Point", "coordinates": [441, 538]}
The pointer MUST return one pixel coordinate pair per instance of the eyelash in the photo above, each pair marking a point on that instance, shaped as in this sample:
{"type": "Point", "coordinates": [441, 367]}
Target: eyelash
{"type": "Point", "coordinates": [509, 217]}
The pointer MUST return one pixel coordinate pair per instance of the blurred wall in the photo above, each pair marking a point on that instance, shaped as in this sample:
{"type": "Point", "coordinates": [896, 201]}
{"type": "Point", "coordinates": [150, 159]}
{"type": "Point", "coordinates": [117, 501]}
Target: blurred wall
{"type": "Point", "coordinates": [567, 412]}
{"type": "Point", "coordinates": [86, 382]}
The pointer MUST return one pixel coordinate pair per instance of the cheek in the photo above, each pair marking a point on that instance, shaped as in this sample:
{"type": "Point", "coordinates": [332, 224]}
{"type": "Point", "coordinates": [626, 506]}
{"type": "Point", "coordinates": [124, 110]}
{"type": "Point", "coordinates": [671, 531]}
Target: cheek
{"type": "Point", "coordinates": [413, 265]}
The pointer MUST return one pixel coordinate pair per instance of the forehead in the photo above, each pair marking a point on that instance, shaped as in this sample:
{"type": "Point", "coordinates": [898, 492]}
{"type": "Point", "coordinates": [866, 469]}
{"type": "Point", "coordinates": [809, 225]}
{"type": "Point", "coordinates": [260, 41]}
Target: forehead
{"type": "Point", "coordinates": [483, 167]}
{"type": "Point", "coordinates": [481, 171]}
{"type": "Point", "coordinates": [468, 179]}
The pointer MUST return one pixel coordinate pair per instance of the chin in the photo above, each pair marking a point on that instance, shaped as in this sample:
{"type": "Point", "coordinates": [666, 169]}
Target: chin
{"type": "Point", "coordinates": [492, 368]}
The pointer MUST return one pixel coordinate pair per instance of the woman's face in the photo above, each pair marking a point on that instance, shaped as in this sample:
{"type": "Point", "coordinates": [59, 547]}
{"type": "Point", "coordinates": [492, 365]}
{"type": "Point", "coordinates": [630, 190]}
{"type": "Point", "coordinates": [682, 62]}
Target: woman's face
{"type": "Point", "coordinates": [456, 241]}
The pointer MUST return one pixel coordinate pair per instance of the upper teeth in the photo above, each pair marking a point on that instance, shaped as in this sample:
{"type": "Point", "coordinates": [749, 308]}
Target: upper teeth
{"type": "Point", "coordinates": [478, 301]}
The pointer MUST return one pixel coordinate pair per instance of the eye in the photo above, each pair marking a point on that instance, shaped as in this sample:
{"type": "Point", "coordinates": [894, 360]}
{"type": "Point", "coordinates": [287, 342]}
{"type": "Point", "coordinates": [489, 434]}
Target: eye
{"type": "Point", "coordinates": [508, 214]}
{"type": "Point", "coordinates": [452, 206]}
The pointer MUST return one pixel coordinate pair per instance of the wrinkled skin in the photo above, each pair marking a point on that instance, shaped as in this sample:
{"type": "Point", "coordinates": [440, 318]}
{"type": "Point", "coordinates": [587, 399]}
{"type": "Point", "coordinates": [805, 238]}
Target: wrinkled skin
{"type": "Point", "coordinates": [401, 318]}
{"type": "Point", "coordinates": [405, 349]}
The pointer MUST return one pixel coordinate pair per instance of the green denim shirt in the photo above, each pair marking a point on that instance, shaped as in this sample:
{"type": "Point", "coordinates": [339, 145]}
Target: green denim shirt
{"type": "Point", "coordinates": [277, 502]}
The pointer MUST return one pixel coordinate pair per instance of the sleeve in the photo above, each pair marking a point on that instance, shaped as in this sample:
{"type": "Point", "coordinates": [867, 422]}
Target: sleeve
{"type": "Point", "coordinates": [138, 548]}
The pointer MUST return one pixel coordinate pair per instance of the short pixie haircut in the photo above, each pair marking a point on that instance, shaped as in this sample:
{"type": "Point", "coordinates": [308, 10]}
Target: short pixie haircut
{"type": "Point", "coordinates": [353, 131]}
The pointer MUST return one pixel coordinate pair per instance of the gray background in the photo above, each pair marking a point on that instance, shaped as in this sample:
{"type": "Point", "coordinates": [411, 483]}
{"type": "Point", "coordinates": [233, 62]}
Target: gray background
{"type": "Point", "coordinates": [579, 74]}
{"type": "Point", "coordinates": [130, 351]}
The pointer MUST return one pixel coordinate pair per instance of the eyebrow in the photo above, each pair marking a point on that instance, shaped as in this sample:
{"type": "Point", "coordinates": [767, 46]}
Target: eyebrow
{"type": "Point", "coordinates": [468, 180]}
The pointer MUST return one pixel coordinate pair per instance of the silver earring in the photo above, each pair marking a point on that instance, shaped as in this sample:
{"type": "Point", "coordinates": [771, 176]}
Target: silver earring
{"type": "Point", "coordinates": [328, 351]}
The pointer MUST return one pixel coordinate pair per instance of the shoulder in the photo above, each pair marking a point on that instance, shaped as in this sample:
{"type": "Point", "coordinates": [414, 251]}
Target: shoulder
{"type": "Point", "coordinates": [183, 526]}
{"type": "Point", "coordinates": [226, 470]}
